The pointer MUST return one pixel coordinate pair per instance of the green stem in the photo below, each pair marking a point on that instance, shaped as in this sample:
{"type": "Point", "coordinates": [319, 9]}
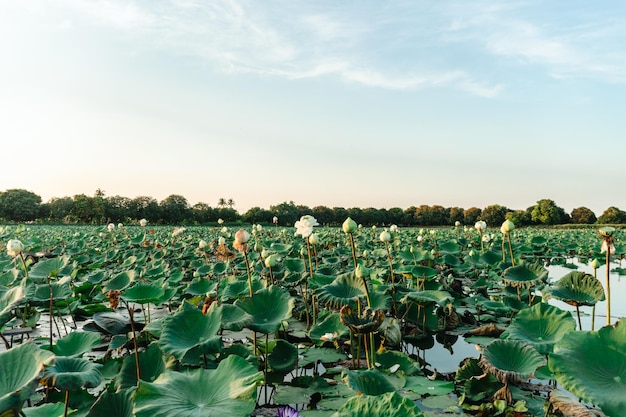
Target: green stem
{"type": "Point", "coordinates": [511, 250]}
{"type": "Point", "coordinates": [608, 285]}
{"type": "Point", "coordinates": [245, 255]}
{"type": "Point", "coordinates": [67, 401]}
{"type": "Point", "coordinates": [131, 315]}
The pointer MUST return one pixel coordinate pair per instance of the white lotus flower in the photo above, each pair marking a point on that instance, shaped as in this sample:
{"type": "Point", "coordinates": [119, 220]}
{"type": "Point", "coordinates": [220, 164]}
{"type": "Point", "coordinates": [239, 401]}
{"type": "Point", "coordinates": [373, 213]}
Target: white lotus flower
{"type": "Point", "coordinates": [111, 227]}
{"type": "Point", "coordinates": [480, 225]}
{"type": "Point", "coordinates": [275, 220]}
{"type": "Point", "coordinates": [220, 221]}
{"type": "Point", "coordinates": [14, 247]}
{"type": "Point", "coordinates": [304, 226]}
{"type": "Point", "coordinates": [314, 239]}
{"type": "Point", "coordinates": [143, 222]}
{"type": "Point", "coordinates": [385, 236]}
{"type": "Point", "coordinates": [393, 228]}
{"type": "Point", "coordinates": [178, 231]}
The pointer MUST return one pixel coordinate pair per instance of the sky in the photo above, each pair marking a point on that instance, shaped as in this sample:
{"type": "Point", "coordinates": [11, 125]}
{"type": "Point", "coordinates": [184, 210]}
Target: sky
{"type": "Point", "coordinates": [342, 104]}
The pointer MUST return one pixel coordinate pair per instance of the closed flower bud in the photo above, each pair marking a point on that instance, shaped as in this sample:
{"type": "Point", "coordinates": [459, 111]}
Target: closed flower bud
{"type": "Point", "coordinates": [242, 236]}
{"type": "Point", "coordinates": [271, 261]}
{"type": "Point", "coordinates": [14, 247]}
{"type": "Point", "coordinates": [507, 227]}
{"type": "Point", "coordinates": [143, 222]}
{"type": "Point", "coordinates": [361, 271]}
{"type": "Point", "coordinates": [202, 244]}
{"type": "Point", "coordinates": [314, 239]}
{"type": "Point", "coordinates": [595, 264]}
{"type": "Point", "coordinates": [385, 236]}
{"type": "Point", "coordinates": [349, 226]}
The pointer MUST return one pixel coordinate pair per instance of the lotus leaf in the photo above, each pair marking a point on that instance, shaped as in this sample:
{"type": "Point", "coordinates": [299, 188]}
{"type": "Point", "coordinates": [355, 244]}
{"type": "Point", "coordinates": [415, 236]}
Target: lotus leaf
{"type": "Point", "coordinates": [188, 329]}
{"type": "Point", "coordinates": [151, 364]}
{"type": "Point", "coordinates": [76, 343]}
{"type": "Point", "coordinates": [143, 293]}
{"type": "Point", "coordinates": [368, 382]}
{"type": "Point", "coordinates": [71, 374]}
{"type": "Point", "coordinates": [331, 323]}
{"type": "Point", "coordinates": [48, 268]}
{"type": "Point", "coordinates": [576, 288]}
{"type": "Point", "coordinates": [268, 308]}
{"type": "Point", "coordinates": [114, 404]}
{"type": "Point", "coordinates": [390, 404]}
{"type": "Point", "coordinates": [120, 281]}
{"type": "Point", "coordinates": [8, 300]}
{"type": "Point", "coordinates": [45, 410]}
{"type": "Point", "coordinates": [346, 289]}
{"type": "Point", "coordinates": [592, 366]}
{"type": "Point", "coordinates": [366, 322]}
{"type": "Point", "coordinates": [19, 367]}
{"type": "Point", "coordinates": [283, 357]}
{"type": "Point", "coordinates": [541, 325]}
{"type": "Point", "coordinates": [228, 391]}
{"type": "Point", "coordinates": [510, 360]}
{"type": "Point", "coordinates": [526, 275]}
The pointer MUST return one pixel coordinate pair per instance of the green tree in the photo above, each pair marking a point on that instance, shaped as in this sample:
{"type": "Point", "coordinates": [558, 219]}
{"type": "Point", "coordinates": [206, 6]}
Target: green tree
{"type": "Point", "coordinates": [519, 217]}
{"type": "Point", "coordinates": [547, 212]}
{"type": "Point", "coordinates": [58, 209]}
{"type": "Point", "coordinates": [84, 209]}
{"type": "Point", "coordinates": [257, 215]}
{"type": "Point", "coordinates": [471, 215]}
{"type": "Point", "coordinates": [395, 215]}
{"type": "Point", "coordinates": [612, 215]}
{"type": "Point", "coordinates": [174, 209]}
{"type": "Point", "coordinates": [456, 214]}
{"type": "Point", "coordinates": [583, 215]}
{"type": "Point", "coordinates": [494, 215]}
{"type": "Point", "coordinates": [117, 208]}
{"type": "Point", "coordinates": [144, 207]}
{"type": "Point", "coordinates": [287, 212]}
{"type": "Point", "coordinates": [203, 213]}
{"type": "Point", "coordinates": [19, 205]}
{"type": "Point", "coordinates": [323, 215]}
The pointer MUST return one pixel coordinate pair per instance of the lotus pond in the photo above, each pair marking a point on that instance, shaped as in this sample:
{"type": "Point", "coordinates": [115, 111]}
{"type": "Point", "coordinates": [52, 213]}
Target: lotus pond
{"type": "Point", "coordinates": [127, 321]}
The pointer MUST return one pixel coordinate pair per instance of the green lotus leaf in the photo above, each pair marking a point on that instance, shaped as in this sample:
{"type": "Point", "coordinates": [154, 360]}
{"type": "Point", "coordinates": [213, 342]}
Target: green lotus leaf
{"type": "Point", "coordinates": [188, 329]}
{"type": "Point", "coordinates": [19, 367]}
{"type": "Point", "coordinates": [359, 323]}
{"type": "Point", "coordinates": [331, 323]}
{"type": "Point", "coordinates": [322, 355]}
{"type": "Point", "coordinates": [46, 410]}
{"type": "Point", "coordinates": [577, 288]}
{"type": "Point", "coordinates": [228, 391]}
{"type": "Point", "coordinates": [60, 290]}
{"type": "Point", "coordinates": [76, 343]}
{"type": "Point", "coordinates": [428, 296]}
{"type": "Point", "coordinates": [368, 382]}
{"type": "Point", "coordinates": [71, 374]}
{"type": "Point", "coordinates": [510, 360]}
{"type": "Point", "coordinates": [239, 289]}
{"type": "Point", "coordinates": [151, 365]}
{"type": "Point", "coordinates": [142, 293]}
{"type": "Point", "coordinates": [450, 247]}
{"type": "Point", "coordinates": [48, 268]}
{"type": "Point", "coordinates": [541, 325]}
{"type": "Point", "coordinates": [526, 275]}
{"type": "Point", "coordinates": [268, 308]}
{"type": "Point", "coordinates": [200, 286]}
{"type": "Point", "coordinates": [390, 358]}
{"type": "Point", "coordinates": [114, 404]}
{"type": "Point", "coordinates": [346, 289]}
{"type": "Point", "coordinates": [390, 404]}
{"type": "Point", "coordinates": [422, 385]}
{"type": "Point", "coordinates": [111, 322]}
{"type": "Point", "coordinates": [283, 357]}
{"type": "Point", "coordinates": [120, 281]}
{"type": "Point", "coordinates": [419, 271]}
{"type": "Point", "coordinates": [234, 318]}
{"type": "Point", "coordinates": [592, 366]}
{"type": "Point", "coordinates": [490, 257]}
{"type": "Point", "coordinates": [8, 300]}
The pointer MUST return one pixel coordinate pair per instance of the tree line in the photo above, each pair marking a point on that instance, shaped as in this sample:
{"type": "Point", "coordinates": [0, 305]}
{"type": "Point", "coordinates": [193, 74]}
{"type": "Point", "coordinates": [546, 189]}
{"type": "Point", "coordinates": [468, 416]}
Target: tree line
{"type": "Point", "coordinates": [18, 205]}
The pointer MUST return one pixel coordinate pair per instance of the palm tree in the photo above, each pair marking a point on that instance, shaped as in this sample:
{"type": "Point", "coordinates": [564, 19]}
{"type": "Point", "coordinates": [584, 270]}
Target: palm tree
{"type": "Point", "coordinates": [230, 203]}
{"type": "Point", "coordinates": [221, 202]}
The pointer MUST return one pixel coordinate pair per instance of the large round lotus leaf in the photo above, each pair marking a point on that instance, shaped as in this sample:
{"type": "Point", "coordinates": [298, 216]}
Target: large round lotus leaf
{"type": "Point", "coordinates": [450, 247]}
{"type": "Point", "coordinates": [114, 404]}
{"type": "Point", "coordinates": [151, 365]}
{"type": "Point", "coordinates": [76, 343]}
{"type": "Point", "coordinates": [511, 359]}
{"type": "Point", "coordinates": [322, 355]}
{"type": "Point", "coordinates": [240, 288]}
{"type": "Point", "coordinates": [72, 373]}
{"type": "Point", "coordinates": [294, 265]}
{"type": "Point", "coordinates": [120, 281]}
{"type": "Point", "coordinates": [490, 257]}
{"type": "Point", "coordinates": [428, 296]}
{"type": "Point", "coordinates": [234, 318]}
{"type": "Point", "coordinates": [48, 268]}
{"type": "Point", "coordinates": [576, 288]}
{"type": "Point", "coordinates": [111, 322]}
{"type": "Point", "coordinates": [592, 366]}
{"type": "Point", "coordinates": [283, 357]}
{"type": "Point", "coordinates": [228, 391]}
{"type": "Point", "coordinates": [45, 410]}
{"type": "Point", "coordinates": [525, 275]}
{"type": "Point", "coordinates": [268, 308]}
{"type": "Point", "coordinates": [188, 329]}
{"type": "Point", "coordinates": [541, 325]}
{"type": "Point", "coordinates": [19, 366]}
{"type": "Point", "coordinates": [390, 404]}
{"type": "Point", "coordinates": [369, 382]}
{"type": "Point", "coordinates": [200, 286]}
{"type": "Point", "coordinates": [422, 385]}
{"type": "Point", "coordinates": [419, 271]}
{"type": "Point", "coordinates": [142, 293]}
{"type": "Point", "coordinates": [60, 291]}
{"type": "Point", "coordinates": [8, 300]}
{"type": "Point", "coordinates": [346, 289]}
{"type": "Point", "coordinates": [330, 324]}
{"type": "Point", "coordinates": [392, 358]}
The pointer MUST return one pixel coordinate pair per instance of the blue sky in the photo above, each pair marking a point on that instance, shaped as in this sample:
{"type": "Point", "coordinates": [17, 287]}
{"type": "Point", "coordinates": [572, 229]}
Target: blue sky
{"type": "Point", "coordinates": [351, 104]}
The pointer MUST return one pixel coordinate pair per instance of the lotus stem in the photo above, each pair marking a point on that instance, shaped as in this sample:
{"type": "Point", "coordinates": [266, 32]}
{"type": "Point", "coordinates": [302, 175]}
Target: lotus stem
{"type": "Point", "coordinates": [353, 249]}
{"type": "Point", "coordinates": [265, 364]}
{"type": "Point", "coordinates": [131, 315]}
{"type": "Point", "coordinates": [608, 285]}
{"type": "Point", "coordinates": [67, 401]}
{"type": "Point", "coordinates": [24, 264]}
{"type": "Point", "coordinates": [511, 249]}
{"type": "Point", "coordinates": [245, 256]}
{"type": "Point", "coordinates": [50, 311]}
{"type": "Point", "coordinates": [393, 281]}
{"type": "Point", "coordinates": [580, 326]}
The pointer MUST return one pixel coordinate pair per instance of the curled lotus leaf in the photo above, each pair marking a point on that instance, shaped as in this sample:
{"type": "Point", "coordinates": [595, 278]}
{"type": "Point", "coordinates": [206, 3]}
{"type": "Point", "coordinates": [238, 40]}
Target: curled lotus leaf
{"type": "Point", "coordinates": [268, 308]}
{"type": "Point", "coordinates": [390, 404]}
{"type": "Point", "coordinates": [367, 322]}
{"type": "Point", "coordinates": [526, 275]}
{"type": "Point", "coordinates": [577, 288]}
{"type": "Point", "coordinates": [592, 366]}
{"type": "Point", "coordinates": [71, 374]}
{"type": "Point", "coordinates": [346, 289]}
{"type": "Point", "coordinates": [541, 325]}
{"type": "Point", "coordinates": [511, 360]}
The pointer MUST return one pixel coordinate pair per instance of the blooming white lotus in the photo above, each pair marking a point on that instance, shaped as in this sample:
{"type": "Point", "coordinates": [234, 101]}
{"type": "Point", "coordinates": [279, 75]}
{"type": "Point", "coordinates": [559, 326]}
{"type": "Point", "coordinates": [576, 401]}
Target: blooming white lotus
{"type": "Point", "coordinates": [111, 227]}
{"type": "Point", "coordinates": [202, 244]}
{"type": "Point", "coordinates": [143, 222]}
{"type": "Point", "coordinates": [480, 225]}
{"type": "Point", "coordinates": [178, 231]}
{"type": "Point", "coordinates": [275, 219]}
{"type": "Point", "coordinates": [14, 247]}
{"type": "Point", "coordinates": [393, 228]}
{"type": "Point", "coordinates": [220, 221]}
{"type": "Point", "coordinates": [241, 240]}
{"type": "Point", "coordinates": [304, 226]}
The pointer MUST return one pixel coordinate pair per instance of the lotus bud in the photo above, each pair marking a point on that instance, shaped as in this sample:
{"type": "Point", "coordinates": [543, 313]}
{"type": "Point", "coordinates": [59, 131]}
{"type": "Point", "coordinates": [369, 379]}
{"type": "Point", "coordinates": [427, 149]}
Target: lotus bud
{"type": "Point", "coordinates": [480, 225]}
{"type": "Point", "coordinates": [595, 264]}
{"type": "Point", "coordinates": [271, 261]}
{"type": "Point", "coordinates": [221, 240]}
{"type": "Point", "coordinates": [242, 236]}
{"type": "Point", "coordinates": [314, 239]}
{"type": "Point", "coordinates": [366, 253]}
{"type": "Point", "coordinates": [385, 236]}
{"type": "Point", "coordinates": [393, 228]}
{"type": "Point", "coordinates": [457, 224]}
{"type": "Point", "coordinates": [275, 220]}
{"type": "Point", "coordinates": [471, 253]}
{"type": "Point", "coordinates": [432, 233]}
{"type": "Point", "coordinates": [259, 228]}
{"type": "Point", "coordinates": [14, 247]}
{"type": "Point", "coordinates": [486, 238]}
{"type": "Point", "coordinates": [507, 227]}
{"type": "Point", "coordinates": [111, 227]}
{"type": "Point", "coordinates": [224, 230]}
{"type": "Point", "coordinates": [420, 238]}
{"type": "Point", "coordinates": [349, 226]}
{"type": "Point", "coordinates": [177, 231]}
{"type": "Point", "coordinates": [202, 244]}
{"type": "Point", "coordinates": [265, 253]}
{"type": "Point", "coordinates": [120, 225]}
{"type": "Point", "coordinates": [220, 221]}
{"type": "Point", "coordinates": [143, 222]}
{"type": "Point", "coordinates": [361, 271]}
{"type": "Point", "coordinates": [374, 228]}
